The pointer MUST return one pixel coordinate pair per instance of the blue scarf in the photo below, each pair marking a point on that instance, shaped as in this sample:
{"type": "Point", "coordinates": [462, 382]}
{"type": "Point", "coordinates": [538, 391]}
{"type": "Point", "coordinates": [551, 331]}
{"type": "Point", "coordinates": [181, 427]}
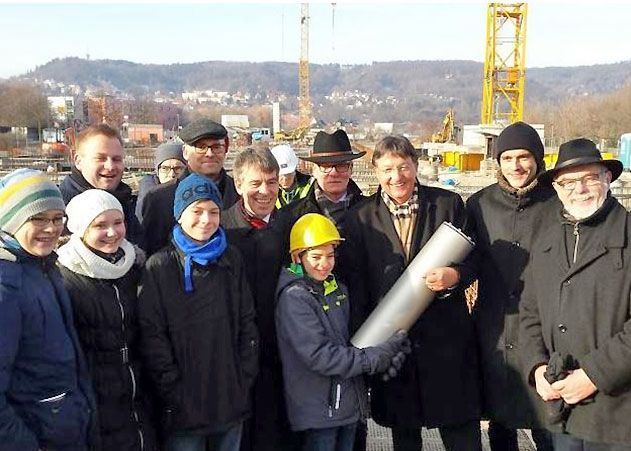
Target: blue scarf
{"type": "Point", "coordinates": [202, 254]}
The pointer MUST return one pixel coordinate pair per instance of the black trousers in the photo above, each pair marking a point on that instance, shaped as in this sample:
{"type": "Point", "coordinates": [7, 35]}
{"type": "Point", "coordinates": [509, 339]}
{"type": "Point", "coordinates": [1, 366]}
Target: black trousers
{"type": "Point", "coordinates": [567, 442]}
{"type": "Point", "coordinates": [502, 438]}
{"type": "Point", "coordinates": [462, 437]}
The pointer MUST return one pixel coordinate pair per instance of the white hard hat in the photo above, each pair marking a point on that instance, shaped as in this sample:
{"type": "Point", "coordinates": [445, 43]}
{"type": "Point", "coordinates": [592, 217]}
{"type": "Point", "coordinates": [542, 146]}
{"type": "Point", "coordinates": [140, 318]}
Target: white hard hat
{"type": "Point", "coordinates": [286, 158]}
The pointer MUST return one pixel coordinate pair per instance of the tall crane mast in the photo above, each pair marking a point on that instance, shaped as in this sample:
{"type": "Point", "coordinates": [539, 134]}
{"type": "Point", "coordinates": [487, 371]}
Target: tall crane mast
{"type": "Point", "coordinates": [504, 64]}
{"type": "Point", "coordinates": [304, 101]}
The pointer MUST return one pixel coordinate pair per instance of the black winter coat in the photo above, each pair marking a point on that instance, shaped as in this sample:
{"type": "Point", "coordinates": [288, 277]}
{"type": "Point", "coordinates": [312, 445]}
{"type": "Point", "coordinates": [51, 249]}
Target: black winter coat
{"type": "Point", "coordinates": [201, 348]}
{"type": "Point", "coordinates": [105, 319]}
{"type": "Point", "coordinates": [505, 227]}
{"type": "Point", "coordinates": [262, 255]}
{"type": "Point", "coordinates": [438, 385]}
{"type": "Point", "coordinates": [157, 210]}
{"type": "Point", "coordinates": [75, 184]}
{"type": "Point", "coordinates": [584, 310]}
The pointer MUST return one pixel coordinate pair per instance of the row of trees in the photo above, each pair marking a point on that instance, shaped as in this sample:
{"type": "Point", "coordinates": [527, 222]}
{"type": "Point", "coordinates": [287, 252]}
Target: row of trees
{"type": "Point", "coordinates": [597, 117]}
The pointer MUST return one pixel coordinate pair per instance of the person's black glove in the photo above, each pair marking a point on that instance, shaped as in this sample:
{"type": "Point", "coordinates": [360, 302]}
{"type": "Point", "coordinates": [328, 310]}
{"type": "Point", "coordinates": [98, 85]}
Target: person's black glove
{"type": "Point", "coordinates": [379, 357]}
{"type": "Point", "coordinates": [395, 366]}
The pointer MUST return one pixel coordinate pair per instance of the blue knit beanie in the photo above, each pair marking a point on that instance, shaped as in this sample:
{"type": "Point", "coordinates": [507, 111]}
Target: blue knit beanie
{"type": "Point", "coordinates": [193, 188]}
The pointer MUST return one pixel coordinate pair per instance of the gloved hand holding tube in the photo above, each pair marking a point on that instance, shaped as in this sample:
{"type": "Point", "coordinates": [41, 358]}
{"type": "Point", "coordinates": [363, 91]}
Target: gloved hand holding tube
{"type": "Point", "coordinates": [410, 296]}
{"type": "Point", "coordinates": [380, 358]}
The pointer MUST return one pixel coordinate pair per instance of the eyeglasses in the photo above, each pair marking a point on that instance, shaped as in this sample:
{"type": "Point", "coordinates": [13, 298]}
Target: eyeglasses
{"type": "Point", "coordinates": [592, 179]}
{"type": "Point", "coordinates": [215, 149]}
{"type": "Point", "coordinates": [175, 169]}
{"type": "Point", "coordinates": [41, 221]}
{"type": "Point", "coordinates": [340, 168]}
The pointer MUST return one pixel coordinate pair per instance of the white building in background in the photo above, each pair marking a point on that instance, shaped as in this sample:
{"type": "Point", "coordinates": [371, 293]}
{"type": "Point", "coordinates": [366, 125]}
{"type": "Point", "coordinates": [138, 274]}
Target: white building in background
{"type": "Point", "coordinates": [62, 108]}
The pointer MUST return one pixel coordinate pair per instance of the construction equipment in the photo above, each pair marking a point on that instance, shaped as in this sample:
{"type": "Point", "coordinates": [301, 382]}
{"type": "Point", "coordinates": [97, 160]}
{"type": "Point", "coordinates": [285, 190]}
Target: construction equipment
{"type": "Point", "coordinates": [304, 101]}
{"type": "Point", "coordinates": [446, 134]}
{"type": "Point", "coordinates": [504, 64]}
{"type": "Point", "coordinates": [292, 135]}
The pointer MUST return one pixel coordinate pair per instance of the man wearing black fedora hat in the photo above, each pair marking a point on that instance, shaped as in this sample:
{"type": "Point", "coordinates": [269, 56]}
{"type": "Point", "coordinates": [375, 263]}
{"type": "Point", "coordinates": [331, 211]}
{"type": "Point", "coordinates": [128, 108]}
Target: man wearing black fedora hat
{"type": "Point", "coordinates": [506, 220]}
{"type": "Point", "coordinates": [333, 192]}
{"type": "Point", "coordinates": [575, 317]}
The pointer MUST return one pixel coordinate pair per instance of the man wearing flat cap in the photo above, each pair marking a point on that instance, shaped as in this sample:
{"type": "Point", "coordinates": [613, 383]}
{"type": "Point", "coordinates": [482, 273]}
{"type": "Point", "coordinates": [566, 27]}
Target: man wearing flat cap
{"type": "Point", "coordinates": [505, 220]}
{"type": "Point", "coordinates": [205, 148]}
{"type": "Point", "coordinates": [333, 192]}
{"type": "Point", "coordinates": [575, 314]}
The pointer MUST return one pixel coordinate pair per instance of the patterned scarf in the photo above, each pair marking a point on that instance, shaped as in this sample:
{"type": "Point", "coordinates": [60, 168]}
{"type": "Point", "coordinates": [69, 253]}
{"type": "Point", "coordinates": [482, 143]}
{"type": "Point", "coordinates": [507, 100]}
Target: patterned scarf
{"type": "Point", "coordinates": [203, 254]}
{"type": "Point", "coordinates": [404, 210]}
{"type": "Point", "coordinates": [333, 210]}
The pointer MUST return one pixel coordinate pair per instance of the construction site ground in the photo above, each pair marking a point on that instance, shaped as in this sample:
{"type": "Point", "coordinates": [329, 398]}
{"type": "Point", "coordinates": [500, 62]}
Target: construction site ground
{"type": "Point", "coordinates": [380, 439]}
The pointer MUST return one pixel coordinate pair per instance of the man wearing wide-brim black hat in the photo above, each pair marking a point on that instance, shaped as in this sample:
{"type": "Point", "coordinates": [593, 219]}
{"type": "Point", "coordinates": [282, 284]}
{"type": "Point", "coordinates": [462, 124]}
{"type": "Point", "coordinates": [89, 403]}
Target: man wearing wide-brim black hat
{"type": "Point", "coordinates": [332, 191]}
{"type": "Point", "coordinates": [576, 310]}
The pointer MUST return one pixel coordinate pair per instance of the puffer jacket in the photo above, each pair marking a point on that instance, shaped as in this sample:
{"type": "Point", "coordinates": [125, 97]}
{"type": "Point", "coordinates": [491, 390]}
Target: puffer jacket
{"type": "Point", "coordinates": [106, 322]}
{"type": "Point", "coordinates": [322, 372]}
{"type": "Point", "coordinates": [46, 399]}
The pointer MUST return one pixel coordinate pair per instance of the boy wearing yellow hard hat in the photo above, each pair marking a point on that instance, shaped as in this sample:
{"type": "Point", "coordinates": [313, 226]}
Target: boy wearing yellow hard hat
{"type": "Point", "coordinates": [322, 371]}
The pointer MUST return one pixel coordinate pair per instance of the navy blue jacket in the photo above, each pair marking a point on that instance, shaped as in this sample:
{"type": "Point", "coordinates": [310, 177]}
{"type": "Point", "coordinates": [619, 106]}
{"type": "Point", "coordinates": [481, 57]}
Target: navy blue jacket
{"type": "Point", "coordinates": [322, 372]}
{"type": "Point", "coordinates": [45, 394]}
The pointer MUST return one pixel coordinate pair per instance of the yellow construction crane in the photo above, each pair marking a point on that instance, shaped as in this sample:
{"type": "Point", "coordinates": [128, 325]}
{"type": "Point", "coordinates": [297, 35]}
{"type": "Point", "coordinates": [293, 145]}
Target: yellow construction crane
{"type": "Point", "coordinates": [504, 65]}
{"type": "Point", "coordinates": [304, 100]}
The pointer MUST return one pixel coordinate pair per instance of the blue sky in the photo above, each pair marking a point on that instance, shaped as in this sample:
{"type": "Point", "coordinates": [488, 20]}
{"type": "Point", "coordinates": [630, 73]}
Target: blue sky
{"type": "Point", "coordinates": [560, 33]}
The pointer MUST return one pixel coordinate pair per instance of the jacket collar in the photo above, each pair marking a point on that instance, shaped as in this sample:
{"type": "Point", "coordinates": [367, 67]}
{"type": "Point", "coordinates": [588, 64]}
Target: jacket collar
{"type": "Point", "coordinates": [611, 217]}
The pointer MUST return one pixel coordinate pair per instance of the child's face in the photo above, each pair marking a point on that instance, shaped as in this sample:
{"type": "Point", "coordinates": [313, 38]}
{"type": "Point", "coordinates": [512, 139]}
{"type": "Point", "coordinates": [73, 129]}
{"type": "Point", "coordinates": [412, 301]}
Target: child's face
{"type": "Point", "coordinates": [319, 261]}
{"type": "Point", "coordinates": [200, 220]}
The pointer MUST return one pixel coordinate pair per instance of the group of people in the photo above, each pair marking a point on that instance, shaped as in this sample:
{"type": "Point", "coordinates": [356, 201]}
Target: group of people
{"type": "Point", "coordinates": [215, 313]}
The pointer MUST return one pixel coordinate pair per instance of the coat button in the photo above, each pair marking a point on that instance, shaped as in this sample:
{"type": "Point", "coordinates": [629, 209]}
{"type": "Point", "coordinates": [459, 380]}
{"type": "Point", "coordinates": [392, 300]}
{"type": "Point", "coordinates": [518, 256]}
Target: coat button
{"type": "Point", "coordinates": [562, 328]}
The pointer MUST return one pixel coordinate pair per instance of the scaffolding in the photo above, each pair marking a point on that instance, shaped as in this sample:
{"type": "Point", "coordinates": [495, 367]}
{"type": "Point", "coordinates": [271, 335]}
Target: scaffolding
{"type": "Point", "coordinates": [504, 64]}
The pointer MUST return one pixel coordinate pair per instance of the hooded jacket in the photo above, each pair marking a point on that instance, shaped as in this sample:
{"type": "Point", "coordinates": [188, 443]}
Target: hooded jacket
{"type": "Point", "coordinates": [322, 372]}
{"type": "Point", "coordinates": [46, 399]}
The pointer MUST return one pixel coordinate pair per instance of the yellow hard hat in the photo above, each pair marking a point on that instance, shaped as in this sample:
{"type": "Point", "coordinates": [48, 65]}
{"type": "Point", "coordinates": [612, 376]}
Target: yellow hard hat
{"type": "Point", "coordinates": [312, 230]}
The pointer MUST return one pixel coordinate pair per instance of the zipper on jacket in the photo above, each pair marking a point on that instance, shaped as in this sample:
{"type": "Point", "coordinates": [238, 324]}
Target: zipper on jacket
{"type": "Point", "coordinates": [125, 355]}
{"type": "Point", "coordinates": [576, 239]}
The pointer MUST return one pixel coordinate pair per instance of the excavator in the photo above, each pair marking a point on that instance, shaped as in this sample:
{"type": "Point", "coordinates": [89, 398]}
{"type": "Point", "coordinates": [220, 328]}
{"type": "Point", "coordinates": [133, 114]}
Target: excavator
{"type": "Point", "coordinates": [292, 135]}
{"type": "Point", "coordinates": [446, 134]}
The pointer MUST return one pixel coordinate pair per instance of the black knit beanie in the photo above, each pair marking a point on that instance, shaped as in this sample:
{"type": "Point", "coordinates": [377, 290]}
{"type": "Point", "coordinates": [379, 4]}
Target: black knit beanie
{"type": "Point", "coordinates": [520, 136]}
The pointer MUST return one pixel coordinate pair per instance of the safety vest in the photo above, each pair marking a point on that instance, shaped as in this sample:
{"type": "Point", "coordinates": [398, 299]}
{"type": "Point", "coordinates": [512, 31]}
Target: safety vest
{"type": "Point", "coordinates": [298, 192]}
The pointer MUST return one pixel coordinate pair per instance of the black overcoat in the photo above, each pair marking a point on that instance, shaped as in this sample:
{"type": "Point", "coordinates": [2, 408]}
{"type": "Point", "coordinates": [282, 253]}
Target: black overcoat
{"type": "Point", "coordinates": [505, 226]}
{"type": "Point", "coordinates": [438, 384]}
{"type": "Point", "coordinates": [262, 254]}
{"type": "Point", "coordinates": [584, 310]}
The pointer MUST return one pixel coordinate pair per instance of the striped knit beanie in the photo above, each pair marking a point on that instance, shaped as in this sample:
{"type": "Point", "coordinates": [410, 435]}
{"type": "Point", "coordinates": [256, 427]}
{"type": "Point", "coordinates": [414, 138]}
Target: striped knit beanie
{"type": "Point", "coordinates": [23, 194]}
